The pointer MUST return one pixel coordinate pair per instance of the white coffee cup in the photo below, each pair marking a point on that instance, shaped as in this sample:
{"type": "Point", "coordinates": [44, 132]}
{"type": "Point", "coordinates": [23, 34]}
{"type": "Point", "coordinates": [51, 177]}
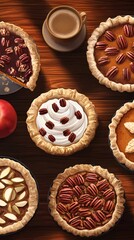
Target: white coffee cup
{"type": "Point", "coordinates": [65, 22]}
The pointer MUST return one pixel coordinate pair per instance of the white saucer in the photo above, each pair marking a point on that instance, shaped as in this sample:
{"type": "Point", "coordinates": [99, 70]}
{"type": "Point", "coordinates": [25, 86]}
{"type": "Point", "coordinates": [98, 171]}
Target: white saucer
{"type": "Point", "coordinates": [63, 45]}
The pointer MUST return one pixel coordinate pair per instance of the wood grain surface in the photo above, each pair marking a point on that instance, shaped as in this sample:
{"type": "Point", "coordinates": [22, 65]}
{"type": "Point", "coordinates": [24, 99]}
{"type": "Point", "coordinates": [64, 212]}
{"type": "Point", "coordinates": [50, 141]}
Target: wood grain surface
{"type": "Point", "coordinates": [68, 70]}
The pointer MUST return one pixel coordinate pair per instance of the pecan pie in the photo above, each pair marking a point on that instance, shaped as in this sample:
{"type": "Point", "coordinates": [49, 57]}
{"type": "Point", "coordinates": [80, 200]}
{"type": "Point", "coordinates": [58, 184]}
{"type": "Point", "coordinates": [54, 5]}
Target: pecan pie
{"type": "Point", "coordinates": [86, 200]}
{"type": "Point", "coordinates": [61, 121]}
{"type": "Point", "coordinates": [18, 196]}
{"type": "Point", "coordinates": [19, 58]}
{"type": "Point", "coordinates": [110, 53]}
{"type": "Point", "coordinates": [122, 135]}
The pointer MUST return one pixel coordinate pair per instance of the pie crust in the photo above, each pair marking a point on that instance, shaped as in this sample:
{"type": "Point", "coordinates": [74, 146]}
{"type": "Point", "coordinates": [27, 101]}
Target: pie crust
{"type": "Point", "coordinates": [35, 58]}
{"type": "Point", "coordinates": [70, 94]}
{"type": "Point", "coordinates": [97, 33]}
{"type": "Point", "coordinates": [12, 176]}
{"type": "Point", "coordinates": [123, 155]}
{"type": "Point", "coordinates": [78, 169]}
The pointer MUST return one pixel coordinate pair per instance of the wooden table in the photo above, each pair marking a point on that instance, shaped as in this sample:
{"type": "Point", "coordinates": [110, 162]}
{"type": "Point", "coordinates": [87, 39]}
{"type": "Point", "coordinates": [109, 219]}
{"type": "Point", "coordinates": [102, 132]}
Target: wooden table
{"type": "Point", "coordinates": [68, 70]}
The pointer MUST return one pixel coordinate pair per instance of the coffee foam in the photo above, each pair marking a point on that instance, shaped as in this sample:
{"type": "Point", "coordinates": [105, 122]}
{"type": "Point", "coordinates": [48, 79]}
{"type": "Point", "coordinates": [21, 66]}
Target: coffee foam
{"type": "Point", "coordinates": [64, 23]}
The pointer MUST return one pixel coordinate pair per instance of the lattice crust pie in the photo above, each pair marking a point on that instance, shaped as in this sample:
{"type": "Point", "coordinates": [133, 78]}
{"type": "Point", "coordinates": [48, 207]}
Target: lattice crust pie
{"type": "Point", "coordinates": [18, 196]}
{"type": "Point", "coordinates": [122, 135]}
{"type": "Point", "coordinates": [110, 53]}
{"type": "Point", "coordinates": [19, 58]}
{"type": "Point", "coordinates": [62, 121]}
{"type": "Point", "coordinates": [86, 200]}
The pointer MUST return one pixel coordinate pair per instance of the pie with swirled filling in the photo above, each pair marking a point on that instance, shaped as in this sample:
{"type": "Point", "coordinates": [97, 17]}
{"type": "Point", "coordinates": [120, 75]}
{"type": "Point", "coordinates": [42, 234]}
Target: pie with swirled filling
{"type": "Point", "coordinates": [110, 53]}
{"type": "Point", "coordinates": [122, 135]}
{"type": "Point", "coordinates": [19, 58]}
{"type": "Point", "coordinates": [61, 121]}
{"type": "Point", "coordinates": [86, 200]}
{"type": "Point", "coordinates": [18, 196]}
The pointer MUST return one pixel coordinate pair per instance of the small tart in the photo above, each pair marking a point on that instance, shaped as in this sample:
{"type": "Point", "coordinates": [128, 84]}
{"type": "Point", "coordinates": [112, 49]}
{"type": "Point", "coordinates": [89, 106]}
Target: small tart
{"type": "Point", "coordinates": [18, 196]}
{"type": "Point", "coordinates": [110, 53]}
{"type": "Point", "coordinates": [86, 200]}
{"type": "Point", "coordinates": [122, 135]}
{"type": "Point", "coordinates": [19, 58]}
{"type": "Point", "coordinates": [61, 121]}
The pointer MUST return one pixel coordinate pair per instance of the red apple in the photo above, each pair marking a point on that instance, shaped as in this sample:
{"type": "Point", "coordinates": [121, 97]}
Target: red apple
{"type": "Point", "coordinates": [8, 118]}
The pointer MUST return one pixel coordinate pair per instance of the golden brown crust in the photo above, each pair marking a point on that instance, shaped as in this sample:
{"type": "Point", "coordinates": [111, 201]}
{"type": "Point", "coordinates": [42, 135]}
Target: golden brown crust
{"type": "Point", "coordinates": [35, 58]}
{"type": "Point", "coordinates": [67, 94]}
{"type": "Point", "coordinates": [110, 22]}
{"type": "Point", "coordinates": [113, 137]}
{"type": "Point", "coordinates": [33, 195]}
{"type": "Point", "coordinates": [119, 208]}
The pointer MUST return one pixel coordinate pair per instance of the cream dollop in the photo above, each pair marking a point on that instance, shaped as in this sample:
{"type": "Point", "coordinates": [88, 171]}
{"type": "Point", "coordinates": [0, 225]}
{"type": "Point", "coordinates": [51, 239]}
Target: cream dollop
{"type": "Point", "coordinates": [61, 122]}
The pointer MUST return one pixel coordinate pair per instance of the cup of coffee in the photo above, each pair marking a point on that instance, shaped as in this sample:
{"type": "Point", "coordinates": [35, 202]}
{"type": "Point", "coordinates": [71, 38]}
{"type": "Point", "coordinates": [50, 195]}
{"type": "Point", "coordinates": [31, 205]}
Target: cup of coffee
{"type": "Point", "coordinates": [65, 22]}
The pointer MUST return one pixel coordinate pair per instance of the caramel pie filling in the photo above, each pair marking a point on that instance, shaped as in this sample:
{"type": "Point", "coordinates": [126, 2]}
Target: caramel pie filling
{"type": "Point", "coordinates": [86, 200]}
{"type": "Point", "coordinates": [15, 57]}
{"type": "Point", "coordinates": [123, 135]}
{"type": "Point", "coordinates": [114, 54]}
{"type": "Point", "coordinates": [14, 196]}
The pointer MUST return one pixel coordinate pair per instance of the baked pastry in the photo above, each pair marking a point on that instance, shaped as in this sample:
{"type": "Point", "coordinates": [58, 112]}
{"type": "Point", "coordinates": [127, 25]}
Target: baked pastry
{"type": "Point", "coordinates": [122, 135]}
{"type": "Point", "coordinates": [18, 196]}
{"type": "Point", "coordinates": [86, 200]}
{"type": "Point", "coordinates": [19, 58]}
{"type": "Point", "coordinates": [61, 121]}
{"type": "Point", "coordinates": [110, 53]}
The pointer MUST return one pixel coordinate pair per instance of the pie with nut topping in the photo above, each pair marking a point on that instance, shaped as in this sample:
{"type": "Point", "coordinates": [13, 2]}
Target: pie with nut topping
{"type": "Point", "coordinates": [86, 200]}
{"type": "Point", "coordinates": [19, 58]}
{"type": "Point", "coordinates": [122, 135]}
{"type": "Point", "coordinates": [61, 121]}
{"type": "Point", "coordinates": [110, 53]}
{"type": "Point", "coordinates": [18, 196]}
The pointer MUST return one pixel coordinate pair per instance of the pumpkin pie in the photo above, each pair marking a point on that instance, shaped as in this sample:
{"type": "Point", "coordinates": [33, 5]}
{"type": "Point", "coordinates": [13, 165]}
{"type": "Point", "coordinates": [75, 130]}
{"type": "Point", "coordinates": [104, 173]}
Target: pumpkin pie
{"type": "Point", "coordinates": [110, 53]}
{"type": "Point", "coordinates": [19, 58]}
{"type": "Point", "coordinates": [18, 196]}
{"type": "Point", "coordinates": [122, 135]}
{"type": "Point", "coordinates": [61, 121]}
{"type": "Point", "coordinates": [86, 200]}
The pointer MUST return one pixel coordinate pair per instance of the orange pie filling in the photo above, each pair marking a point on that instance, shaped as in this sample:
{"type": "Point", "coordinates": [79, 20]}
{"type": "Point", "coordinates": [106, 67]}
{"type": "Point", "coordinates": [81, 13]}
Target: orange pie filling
{"type": "Point", "coordinates": [114, 54]}
{"type": "Point", "coordinates": [125, 135]}
{"type": "Point", "coordinates": [86, 200]}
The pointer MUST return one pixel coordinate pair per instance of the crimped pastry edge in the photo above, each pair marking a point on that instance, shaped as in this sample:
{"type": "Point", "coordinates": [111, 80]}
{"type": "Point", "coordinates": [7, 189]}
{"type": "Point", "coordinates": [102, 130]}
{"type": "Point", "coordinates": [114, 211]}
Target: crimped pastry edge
{"type": "Point", "coordinates": [33, 195]}
{"type": "Point", "coordinates": [90, 53]}
{"type": "Point", "coordinates": [67, 94]}
{"type": "Point", "coordinates": [120, 156]}
{"type": "Point", "coordinates": [119, 209]}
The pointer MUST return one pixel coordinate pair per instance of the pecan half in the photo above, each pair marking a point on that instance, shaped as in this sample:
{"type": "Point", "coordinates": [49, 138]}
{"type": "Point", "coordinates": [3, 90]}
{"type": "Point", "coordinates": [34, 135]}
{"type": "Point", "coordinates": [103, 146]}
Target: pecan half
{"type": "Point", "coordinates": [112, 72]}
{"type": "Point", "coordinates": [66, 132]}
{"type": "Point", "coordinates": [102, 185]}
{"type": "Point", "coordinates": [77, 190]}
{"type": "Point", "coordinates": [55, 107]}
{"type": "Point", "coordinates": [72, 137]}
{"type": "Point", "coordinates": [61, 208]}
{"type": "Point", "coordinates": [101, 45]}
{"type": "Point", "coordinates": [92, 189]}
{"type": "Point", "coordinates": [64, 120]}
{"type": "Point", "coordinates": [109, 194]}
{"type": "Point", "coordinates": [111, 51]}
{"type": "Point", "coordinates": [89, 223]}
{"type": "Point", "coordinates": [43, 111]}
{"type": "Point", "coordinates": [78, 114]}
{"type": "Point", "coordinates": [51, 138]}
{"type": "Point", "coordinates": [122, 42]}
{"type": "Point", "coordinates": [110, 36]}
{"type": "Point", "coordinates": [126, 74]}
{"type": "Point", "coordinates": [120, 58]}
{"type": "Point", "coordinates": [9, 50]}
{"type": "Point", "coordinates": [5, 58]}
{"type": "Point", "coordinates": [128, 30]}
{"type": "Point", "coordinates": [49, 124]}
{"type": "Point", "coordinates": [18, 40]}
{"type": "Point", "coordinates": [42, 131]}
{"type": "Point", "coordinates": [103, 60]}
{"type": "Point", "coordinates": [130, 55]}
{"type": "Point", "coordinates": [66, 190]}
{"type": "Point", "coordinates": [79, 180]}
{"type": "Point", "coordinates": [65, 198]}
{"type": "Point", "coordinates": [73, 208]}
{"type": "Point", "coordinates": [109, 206]}
{"type": "Point", "coordinates": [62, 102]}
